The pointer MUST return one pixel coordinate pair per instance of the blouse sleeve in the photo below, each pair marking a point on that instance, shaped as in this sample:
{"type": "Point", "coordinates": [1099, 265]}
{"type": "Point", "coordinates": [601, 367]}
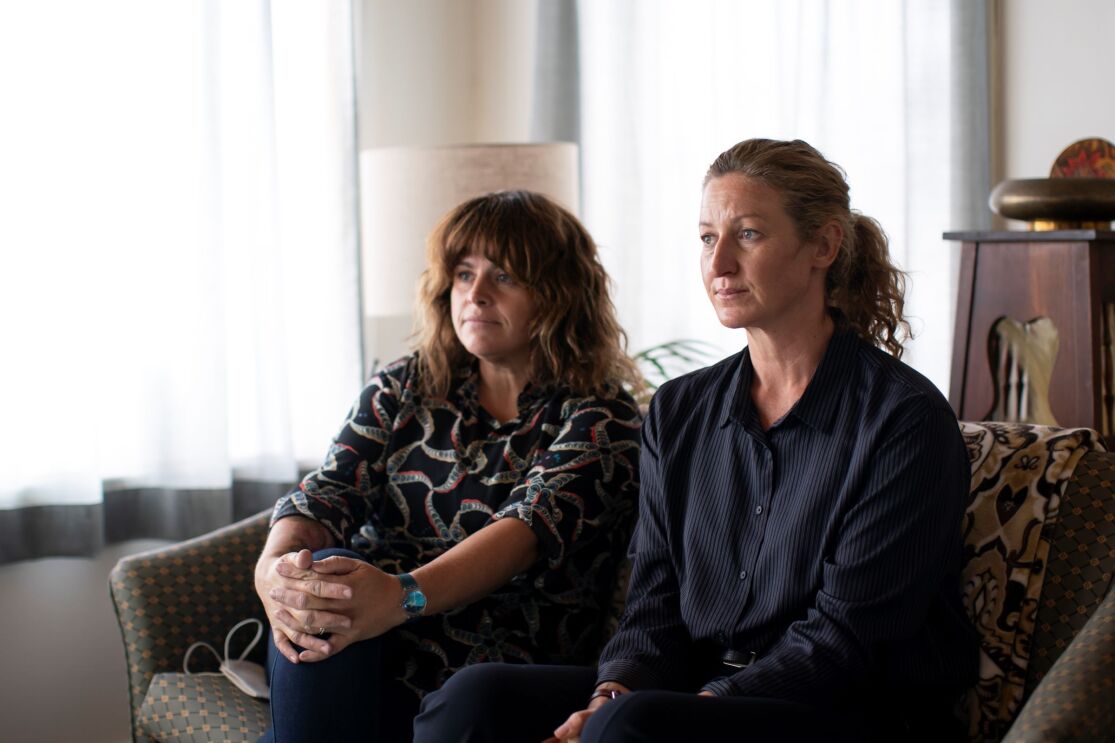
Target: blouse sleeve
{"type": "Point", "coordinates": [337, 494]}
{"type": "Point", "coordinates": [586, 479]}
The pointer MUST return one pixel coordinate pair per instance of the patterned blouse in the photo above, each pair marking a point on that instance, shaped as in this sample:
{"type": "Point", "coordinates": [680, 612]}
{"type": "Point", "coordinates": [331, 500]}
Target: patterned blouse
{"type": "Point", "coordinates": [410, 476]}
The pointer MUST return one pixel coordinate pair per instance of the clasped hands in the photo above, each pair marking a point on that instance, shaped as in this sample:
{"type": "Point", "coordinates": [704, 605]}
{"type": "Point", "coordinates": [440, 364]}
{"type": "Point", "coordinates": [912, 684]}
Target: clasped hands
{"type": "Point", "coordinates": [326, 605]}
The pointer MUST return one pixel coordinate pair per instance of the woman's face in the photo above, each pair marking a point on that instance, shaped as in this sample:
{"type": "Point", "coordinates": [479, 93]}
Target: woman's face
{"type": "Point", "coordinates": [757, 272]}
{"type": "Point", "coordinates": [492, 313]}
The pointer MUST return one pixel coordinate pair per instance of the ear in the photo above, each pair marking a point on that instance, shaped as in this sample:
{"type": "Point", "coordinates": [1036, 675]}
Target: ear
{"type": "Point", "coordinates": [826, 245]}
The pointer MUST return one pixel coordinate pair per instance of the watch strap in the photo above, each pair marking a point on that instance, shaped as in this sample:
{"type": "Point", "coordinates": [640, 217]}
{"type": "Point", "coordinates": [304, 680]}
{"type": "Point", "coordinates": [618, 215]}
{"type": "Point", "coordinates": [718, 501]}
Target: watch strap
{"type": "Point", "coordinates": [414, 601]}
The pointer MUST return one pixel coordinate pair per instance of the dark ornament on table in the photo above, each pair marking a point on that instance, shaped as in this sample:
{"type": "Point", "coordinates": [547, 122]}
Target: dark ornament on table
{"type": "Point", "coordinates": [1078, 194]}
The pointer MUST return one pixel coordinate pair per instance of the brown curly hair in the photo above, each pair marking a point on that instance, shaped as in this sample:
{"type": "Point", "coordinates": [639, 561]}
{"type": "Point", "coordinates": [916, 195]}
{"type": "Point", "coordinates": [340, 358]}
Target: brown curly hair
{"type": "Point", "coordinates": [863, 289]}
{"type": "Point", "coordinates": [576, 340]}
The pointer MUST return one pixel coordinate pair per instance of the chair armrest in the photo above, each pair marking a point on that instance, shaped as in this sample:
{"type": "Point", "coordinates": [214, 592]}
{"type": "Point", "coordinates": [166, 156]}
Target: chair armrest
{"type": "Point", "coordinates": [1076, 699]}
{"type": "Point", "coordinates": [169, 598]}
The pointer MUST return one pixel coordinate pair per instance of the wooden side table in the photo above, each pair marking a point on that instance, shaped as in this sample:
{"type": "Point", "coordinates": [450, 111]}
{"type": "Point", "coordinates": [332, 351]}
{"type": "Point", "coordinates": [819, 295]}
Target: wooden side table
{"type": "Point", "coordinates": [999, 371]}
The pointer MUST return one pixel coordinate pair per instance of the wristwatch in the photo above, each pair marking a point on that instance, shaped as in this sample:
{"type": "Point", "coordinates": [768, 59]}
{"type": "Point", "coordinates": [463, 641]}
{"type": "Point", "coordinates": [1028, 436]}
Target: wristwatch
{"type": "Point", "coordinates": [414, 601]}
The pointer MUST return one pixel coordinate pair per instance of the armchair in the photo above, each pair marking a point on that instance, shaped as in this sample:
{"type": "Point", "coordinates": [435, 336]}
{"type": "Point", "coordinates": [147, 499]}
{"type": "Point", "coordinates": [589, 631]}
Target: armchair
{"type": "Point", "coordinates": [170, 598]}
{"type": "Point", "coordinates": [1039, 549]}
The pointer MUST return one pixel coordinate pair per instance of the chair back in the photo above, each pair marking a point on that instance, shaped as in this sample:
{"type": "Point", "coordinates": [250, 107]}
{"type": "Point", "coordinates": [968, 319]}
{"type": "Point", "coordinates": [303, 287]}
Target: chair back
{"type": "Point", "coordinates": [1012, 544]}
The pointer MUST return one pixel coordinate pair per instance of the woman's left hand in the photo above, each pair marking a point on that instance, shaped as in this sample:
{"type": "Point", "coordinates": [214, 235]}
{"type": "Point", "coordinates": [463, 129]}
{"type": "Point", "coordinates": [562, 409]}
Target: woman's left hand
{"type": "Point", "coordinates": [375, 605]}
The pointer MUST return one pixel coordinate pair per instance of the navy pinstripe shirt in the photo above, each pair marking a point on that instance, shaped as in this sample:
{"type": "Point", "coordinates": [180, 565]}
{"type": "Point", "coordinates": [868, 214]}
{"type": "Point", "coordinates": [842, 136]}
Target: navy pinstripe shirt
{"type": "Point", "coordinates": [829, 544]}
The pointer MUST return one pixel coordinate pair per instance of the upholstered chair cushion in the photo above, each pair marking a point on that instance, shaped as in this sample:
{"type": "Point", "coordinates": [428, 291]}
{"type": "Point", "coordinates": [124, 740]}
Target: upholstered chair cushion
{"type": "Point", "coordinates": [1073, 701]}
{"type": "Point", "coordinates": [200, 707]}
{"type": "Point", "coordinates": [1081, 563]}
{"type": "Point", "coordinates": [1019, 473]}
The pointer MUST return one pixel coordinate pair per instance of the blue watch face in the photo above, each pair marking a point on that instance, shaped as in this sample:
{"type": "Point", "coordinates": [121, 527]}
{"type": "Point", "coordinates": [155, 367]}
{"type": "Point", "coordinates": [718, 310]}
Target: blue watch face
{"type": "Point", "coordinates": [415, 602]}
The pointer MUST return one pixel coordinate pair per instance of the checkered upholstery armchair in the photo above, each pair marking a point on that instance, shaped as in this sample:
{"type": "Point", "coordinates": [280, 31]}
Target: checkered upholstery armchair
{"type": "Point", "coordinates": [170, 598]}
{"type": "Point", "coordinates": [1039, 536]}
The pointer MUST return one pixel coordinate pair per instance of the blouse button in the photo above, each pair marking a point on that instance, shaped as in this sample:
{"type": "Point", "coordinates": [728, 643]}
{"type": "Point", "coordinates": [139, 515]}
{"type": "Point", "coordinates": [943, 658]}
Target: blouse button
{"type": "Point", "coordinates": [743, 575]}
{"type": "Point", "coordinates": [758, 510]}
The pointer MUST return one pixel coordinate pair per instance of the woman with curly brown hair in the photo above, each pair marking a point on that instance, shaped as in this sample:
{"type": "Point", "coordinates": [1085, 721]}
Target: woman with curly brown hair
{"type": "Point", "coordinates": [478, 498]}
{"type": "Point", "coordinates": [795, 566]}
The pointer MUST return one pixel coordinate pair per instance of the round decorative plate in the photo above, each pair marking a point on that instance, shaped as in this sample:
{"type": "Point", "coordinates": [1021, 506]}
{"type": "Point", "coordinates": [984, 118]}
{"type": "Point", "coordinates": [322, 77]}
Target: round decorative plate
{"type": "Point", "coordinates": [1088, 158]}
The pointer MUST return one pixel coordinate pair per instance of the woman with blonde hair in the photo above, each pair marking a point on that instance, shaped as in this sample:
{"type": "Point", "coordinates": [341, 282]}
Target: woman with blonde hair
{"type": "Point", "coordinates": [479, 496]}
{"type": "Point", "coordinates": [795, 566]}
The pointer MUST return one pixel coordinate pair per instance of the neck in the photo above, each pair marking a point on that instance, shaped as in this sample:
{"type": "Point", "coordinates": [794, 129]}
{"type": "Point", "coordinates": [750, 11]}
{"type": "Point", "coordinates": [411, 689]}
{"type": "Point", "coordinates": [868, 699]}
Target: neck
{"type": "Point", "coordinates": [499, 389]}
{"type": "Point", "coordinates": [784, 365]}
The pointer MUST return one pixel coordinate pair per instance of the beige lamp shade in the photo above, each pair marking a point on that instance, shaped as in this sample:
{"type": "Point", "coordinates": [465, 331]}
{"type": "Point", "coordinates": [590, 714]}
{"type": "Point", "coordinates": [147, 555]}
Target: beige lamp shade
{"type": "Point", "coordinates": [405, 191]}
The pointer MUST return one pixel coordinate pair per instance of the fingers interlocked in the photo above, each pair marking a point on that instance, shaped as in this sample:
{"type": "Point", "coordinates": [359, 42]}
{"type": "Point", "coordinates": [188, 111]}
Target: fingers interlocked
{"type": "Point", "coordinates": [304, 601]}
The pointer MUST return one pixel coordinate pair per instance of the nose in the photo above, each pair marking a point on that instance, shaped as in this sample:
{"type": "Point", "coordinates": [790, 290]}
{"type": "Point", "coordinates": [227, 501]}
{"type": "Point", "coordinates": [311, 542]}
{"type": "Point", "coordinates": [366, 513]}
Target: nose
{"type": "Point", "coordinates": [723, 259]}
{"type": "Point", "coordinates": [478, 293]}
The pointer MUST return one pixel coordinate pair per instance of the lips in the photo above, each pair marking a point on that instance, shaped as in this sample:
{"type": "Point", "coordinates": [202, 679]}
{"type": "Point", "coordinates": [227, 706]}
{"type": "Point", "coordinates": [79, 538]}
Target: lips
{"type": "Point", "coordinates": [728, 292]}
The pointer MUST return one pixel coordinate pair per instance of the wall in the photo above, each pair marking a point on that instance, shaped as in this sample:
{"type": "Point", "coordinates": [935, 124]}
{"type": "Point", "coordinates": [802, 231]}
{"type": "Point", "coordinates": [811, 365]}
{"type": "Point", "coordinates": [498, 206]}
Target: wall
{"type": "Point", "coordinates": [1056, 58]}
{"type": "Point", "coordinates": [434, 72]}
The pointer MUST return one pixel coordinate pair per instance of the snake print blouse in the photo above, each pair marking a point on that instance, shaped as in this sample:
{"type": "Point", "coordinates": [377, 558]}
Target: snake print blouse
{"type": "Point", "coordinates": [408, 477]}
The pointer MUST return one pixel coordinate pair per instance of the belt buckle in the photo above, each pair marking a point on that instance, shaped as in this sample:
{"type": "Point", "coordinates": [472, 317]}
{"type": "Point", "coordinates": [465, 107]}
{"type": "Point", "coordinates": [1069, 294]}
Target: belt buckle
{"type": "Point", "coordinates": [736, 659]}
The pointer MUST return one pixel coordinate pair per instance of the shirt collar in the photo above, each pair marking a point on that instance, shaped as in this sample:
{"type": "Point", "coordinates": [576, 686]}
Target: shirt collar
{"type": "Point", "coordinates": [467, 393]}
{"type": "Point", "coordinates": [817, 405]}
{"type": "Point", "coordinates": [739, 406]}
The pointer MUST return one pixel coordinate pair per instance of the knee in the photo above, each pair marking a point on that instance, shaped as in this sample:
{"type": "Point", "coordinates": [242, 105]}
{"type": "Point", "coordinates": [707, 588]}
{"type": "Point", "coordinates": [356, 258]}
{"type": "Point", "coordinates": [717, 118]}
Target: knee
{"type": "Point", "coordinates": [630, 717]}
{"type": "Point", "coordinates": [462, 708]}
{"type": "Point", "coordinates": [473, 688]}
{"type": "Point", "coordinates": [355, 661]}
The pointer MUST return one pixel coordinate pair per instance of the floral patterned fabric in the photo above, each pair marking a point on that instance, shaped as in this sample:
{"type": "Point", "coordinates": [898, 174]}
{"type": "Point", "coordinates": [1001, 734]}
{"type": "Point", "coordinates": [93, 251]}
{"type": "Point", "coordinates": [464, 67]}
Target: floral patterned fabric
{"type": "Point", "coordinates": [409, 476]}
{"type": "Point", "coordinates": [1019, 473]}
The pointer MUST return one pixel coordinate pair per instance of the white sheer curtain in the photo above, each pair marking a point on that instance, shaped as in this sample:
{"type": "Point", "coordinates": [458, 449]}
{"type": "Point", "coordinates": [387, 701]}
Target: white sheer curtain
{"type": "Point", "coordinates": [666, 86]}
{"type": "Point", "coordinates": [178, 271]}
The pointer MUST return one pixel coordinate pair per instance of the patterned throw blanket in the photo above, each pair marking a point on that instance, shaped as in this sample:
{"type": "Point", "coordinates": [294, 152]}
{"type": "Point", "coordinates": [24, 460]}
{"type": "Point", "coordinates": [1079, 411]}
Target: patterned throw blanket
{"type": "Point", "coordinates": [1019, 473]}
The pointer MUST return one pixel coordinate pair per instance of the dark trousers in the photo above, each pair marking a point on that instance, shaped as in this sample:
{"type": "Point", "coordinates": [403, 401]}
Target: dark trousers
{"type": "Point", "coordinates": [498, 703]}
{"type": "Point", "coordinates": [346, 697]}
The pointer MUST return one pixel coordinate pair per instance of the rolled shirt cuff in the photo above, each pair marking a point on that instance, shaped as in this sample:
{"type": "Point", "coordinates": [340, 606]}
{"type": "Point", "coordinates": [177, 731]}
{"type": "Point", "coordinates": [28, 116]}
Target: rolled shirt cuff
{"type": "Point", "coordinates": [721, 687]}
{"type": "Point", "coordinates": [631, 673]}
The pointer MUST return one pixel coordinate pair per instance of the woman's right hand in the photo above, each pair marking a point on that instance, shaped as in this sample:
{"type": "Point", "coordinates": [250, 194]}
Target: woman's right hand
{"type": "Point", "coordinates": [301, 625]}
{"type": "Point", "coordinates": [290, 626]}
{"type": "Point", "coordinates": [570, 730]}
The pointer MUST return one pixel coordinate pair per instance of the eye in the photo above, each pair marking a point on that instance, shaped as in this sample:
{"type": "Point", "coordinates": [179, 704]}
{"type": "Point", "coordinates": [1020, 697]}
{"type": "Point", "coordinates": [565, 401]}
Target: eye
{"type": "Point", "coordinates": [708, 239]}
{"type": "Point", "coordinates": [749, 234]}
{"type": "Point", "coordinates": [463, 274]}
{"type": "Point", "coordinates": [505, 278]}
